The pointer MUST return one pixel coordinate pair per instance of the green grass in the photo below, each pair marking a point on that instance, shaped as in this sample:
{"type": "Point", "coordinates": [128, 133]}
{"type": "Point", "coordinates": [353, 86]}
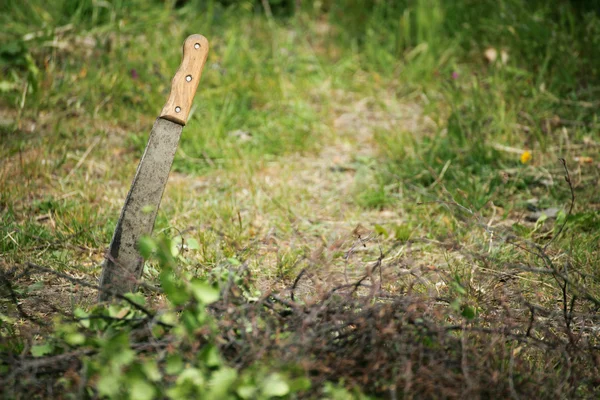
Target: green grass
{"type": "Point", "coordinates": [305, 125]}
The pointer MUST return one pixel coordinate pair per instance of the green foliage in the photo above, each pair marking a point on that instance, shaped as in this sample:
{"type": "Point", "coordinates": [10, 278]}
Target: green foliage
{"type": "Point", "coordinates": [460, 300]}
{"type": "Point", "coordinates": [339, 392]}
{"type": "Point", "coordinates": [120, 367]}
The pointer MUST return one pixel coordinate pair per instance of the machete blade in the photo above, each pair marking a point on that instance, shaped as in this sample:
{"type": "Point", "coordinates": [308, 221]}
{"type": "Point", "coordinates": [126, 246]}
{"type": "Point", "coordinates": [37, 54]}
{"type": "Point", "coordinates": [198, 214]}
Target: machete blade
{"type": "Point", "coordinates": [124, 264]}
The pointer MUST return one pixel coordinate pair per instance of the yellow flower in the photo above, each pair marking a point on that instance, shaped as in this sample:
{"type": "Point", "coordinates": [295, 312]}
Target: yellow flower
{"type": "Point", "coordinates": [525, 157]}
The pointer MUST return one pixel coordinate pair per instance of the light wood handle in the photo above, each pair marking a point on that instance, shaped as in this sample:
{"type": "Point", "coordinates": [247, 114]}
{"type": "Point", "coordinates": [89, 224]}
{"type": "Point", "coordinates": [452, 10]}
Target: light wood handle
{"type": "Point", "coordinates": [186, 80]}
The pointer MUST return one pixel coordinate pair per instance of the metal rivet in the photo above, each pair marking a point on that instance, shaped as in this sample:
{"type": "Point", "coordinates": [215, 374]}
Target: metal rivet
{"type": "Point", "coordinates": [197, 46]}
{"type": "Point", "coordinates": [188, 78]}
{"type": "Point", "coordinates": [177, 109]}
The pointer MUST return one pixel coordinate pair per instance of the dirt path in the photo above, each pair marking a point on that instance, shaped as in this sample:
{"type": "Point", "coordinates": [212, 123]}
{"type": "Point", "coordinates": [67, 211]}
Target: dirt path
{"type": "Point", "coordinates": [307, 203]}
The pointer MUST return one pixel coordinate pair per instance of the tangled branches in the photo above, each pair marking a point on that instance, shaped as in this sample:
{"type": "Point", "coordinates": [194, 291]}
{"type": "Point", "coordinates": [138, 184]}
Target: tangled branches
{"type": "Point", "coordinates": [420, 342]}
{"type": "Point", "coordinates": [517, 320]}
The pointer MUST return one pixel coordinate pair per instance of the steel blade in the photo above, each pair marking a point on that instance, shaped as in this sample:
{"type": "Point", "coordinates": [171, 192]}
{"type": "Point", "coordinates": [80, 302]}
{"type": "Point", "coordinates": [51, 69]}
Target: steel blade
{"type": "Point", "coordinates": [123, 264]}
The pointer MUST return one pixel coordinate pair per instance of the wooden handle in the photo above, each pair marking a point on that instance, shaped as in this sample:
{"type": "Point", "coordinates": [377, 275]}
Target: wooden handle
{"type": "Point", "coordinates": [186, 80]}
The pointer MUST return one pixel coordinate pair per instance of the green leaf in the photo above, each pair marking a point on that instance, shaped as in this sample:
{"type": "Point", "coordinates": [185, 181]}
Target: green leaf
{"type": "Point", "coordinates": [191, 375]}
{"type": "Point", "coordinates": [98, 324]}
{"type": "Point", "coordinates": [299, 384]}
{"type": "Point", "coordinates": [468, 312]}
{"type": "Point", "coordinates": [82, 316]}
{"type": "Point", "coordinates": [179, 392]}
{"type": "Point", "coordinates": [118, 311]}
{"type": "Point", "coordinates": [109, 384]}
{"type": "Point", "coordinates": [275, 385]}
{"type": "Point", "coordinates": [204, 292]}
{"type": "Point", "coordinates": [173, 287]}
{"type": "Point", "coordinates": [192, 244]}
{"type": "Point", "coordinates": [40, 350]}
{"type": "Point", "coordinates": [190, 320]}
{"type": "Point", "coordinates": [174, 364]}
{"type": "Point", "coordinates": [151, 370]}
{"type": "Point", "coordinates": [210, 356]}
{"type": "Point", "coordinates": [246, 391]}
{"type": "Point", "coordinates": [163, 253]}
{"type": "Point", "coordinates": [168, 318]}
{"type": "Point", "coordinates": [220, 382]}
{"type": "Point", "coordinates": [137, 298]}
{"type": "Point", "coordinates": [337, 391]}
{"type": "Point", "coordinates": [175, 246]}
{"type": "Point", "coordinates": [117, 352]}
{"type": "Point", "coordinates": [75, 338]}
{"type": "Point", "coordinates": [142, 390]}
{"type": "Point", "coordinates": [380, 230]}
{"type": "Point", "coordinates": [124, 357]}
{"type": "Point", "coordinates": [234, 261]}
{"type": "Point", "coordinates": [540, 221]}
{"type": "Point", "coordinates": [147, 246]}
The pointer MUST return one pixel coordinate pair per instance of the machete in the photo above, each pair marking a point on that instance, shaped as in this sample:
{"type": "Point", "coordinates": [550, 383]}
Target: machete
{"type": "Point", "coordinates": [123, 265]}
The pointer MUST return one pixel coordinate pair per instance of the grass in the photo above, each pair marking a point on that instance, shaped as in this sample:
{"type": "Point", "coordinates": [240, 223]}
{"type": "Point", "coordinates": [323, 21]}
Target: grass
{"type": "Point", "coordinates": [393, 119]}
